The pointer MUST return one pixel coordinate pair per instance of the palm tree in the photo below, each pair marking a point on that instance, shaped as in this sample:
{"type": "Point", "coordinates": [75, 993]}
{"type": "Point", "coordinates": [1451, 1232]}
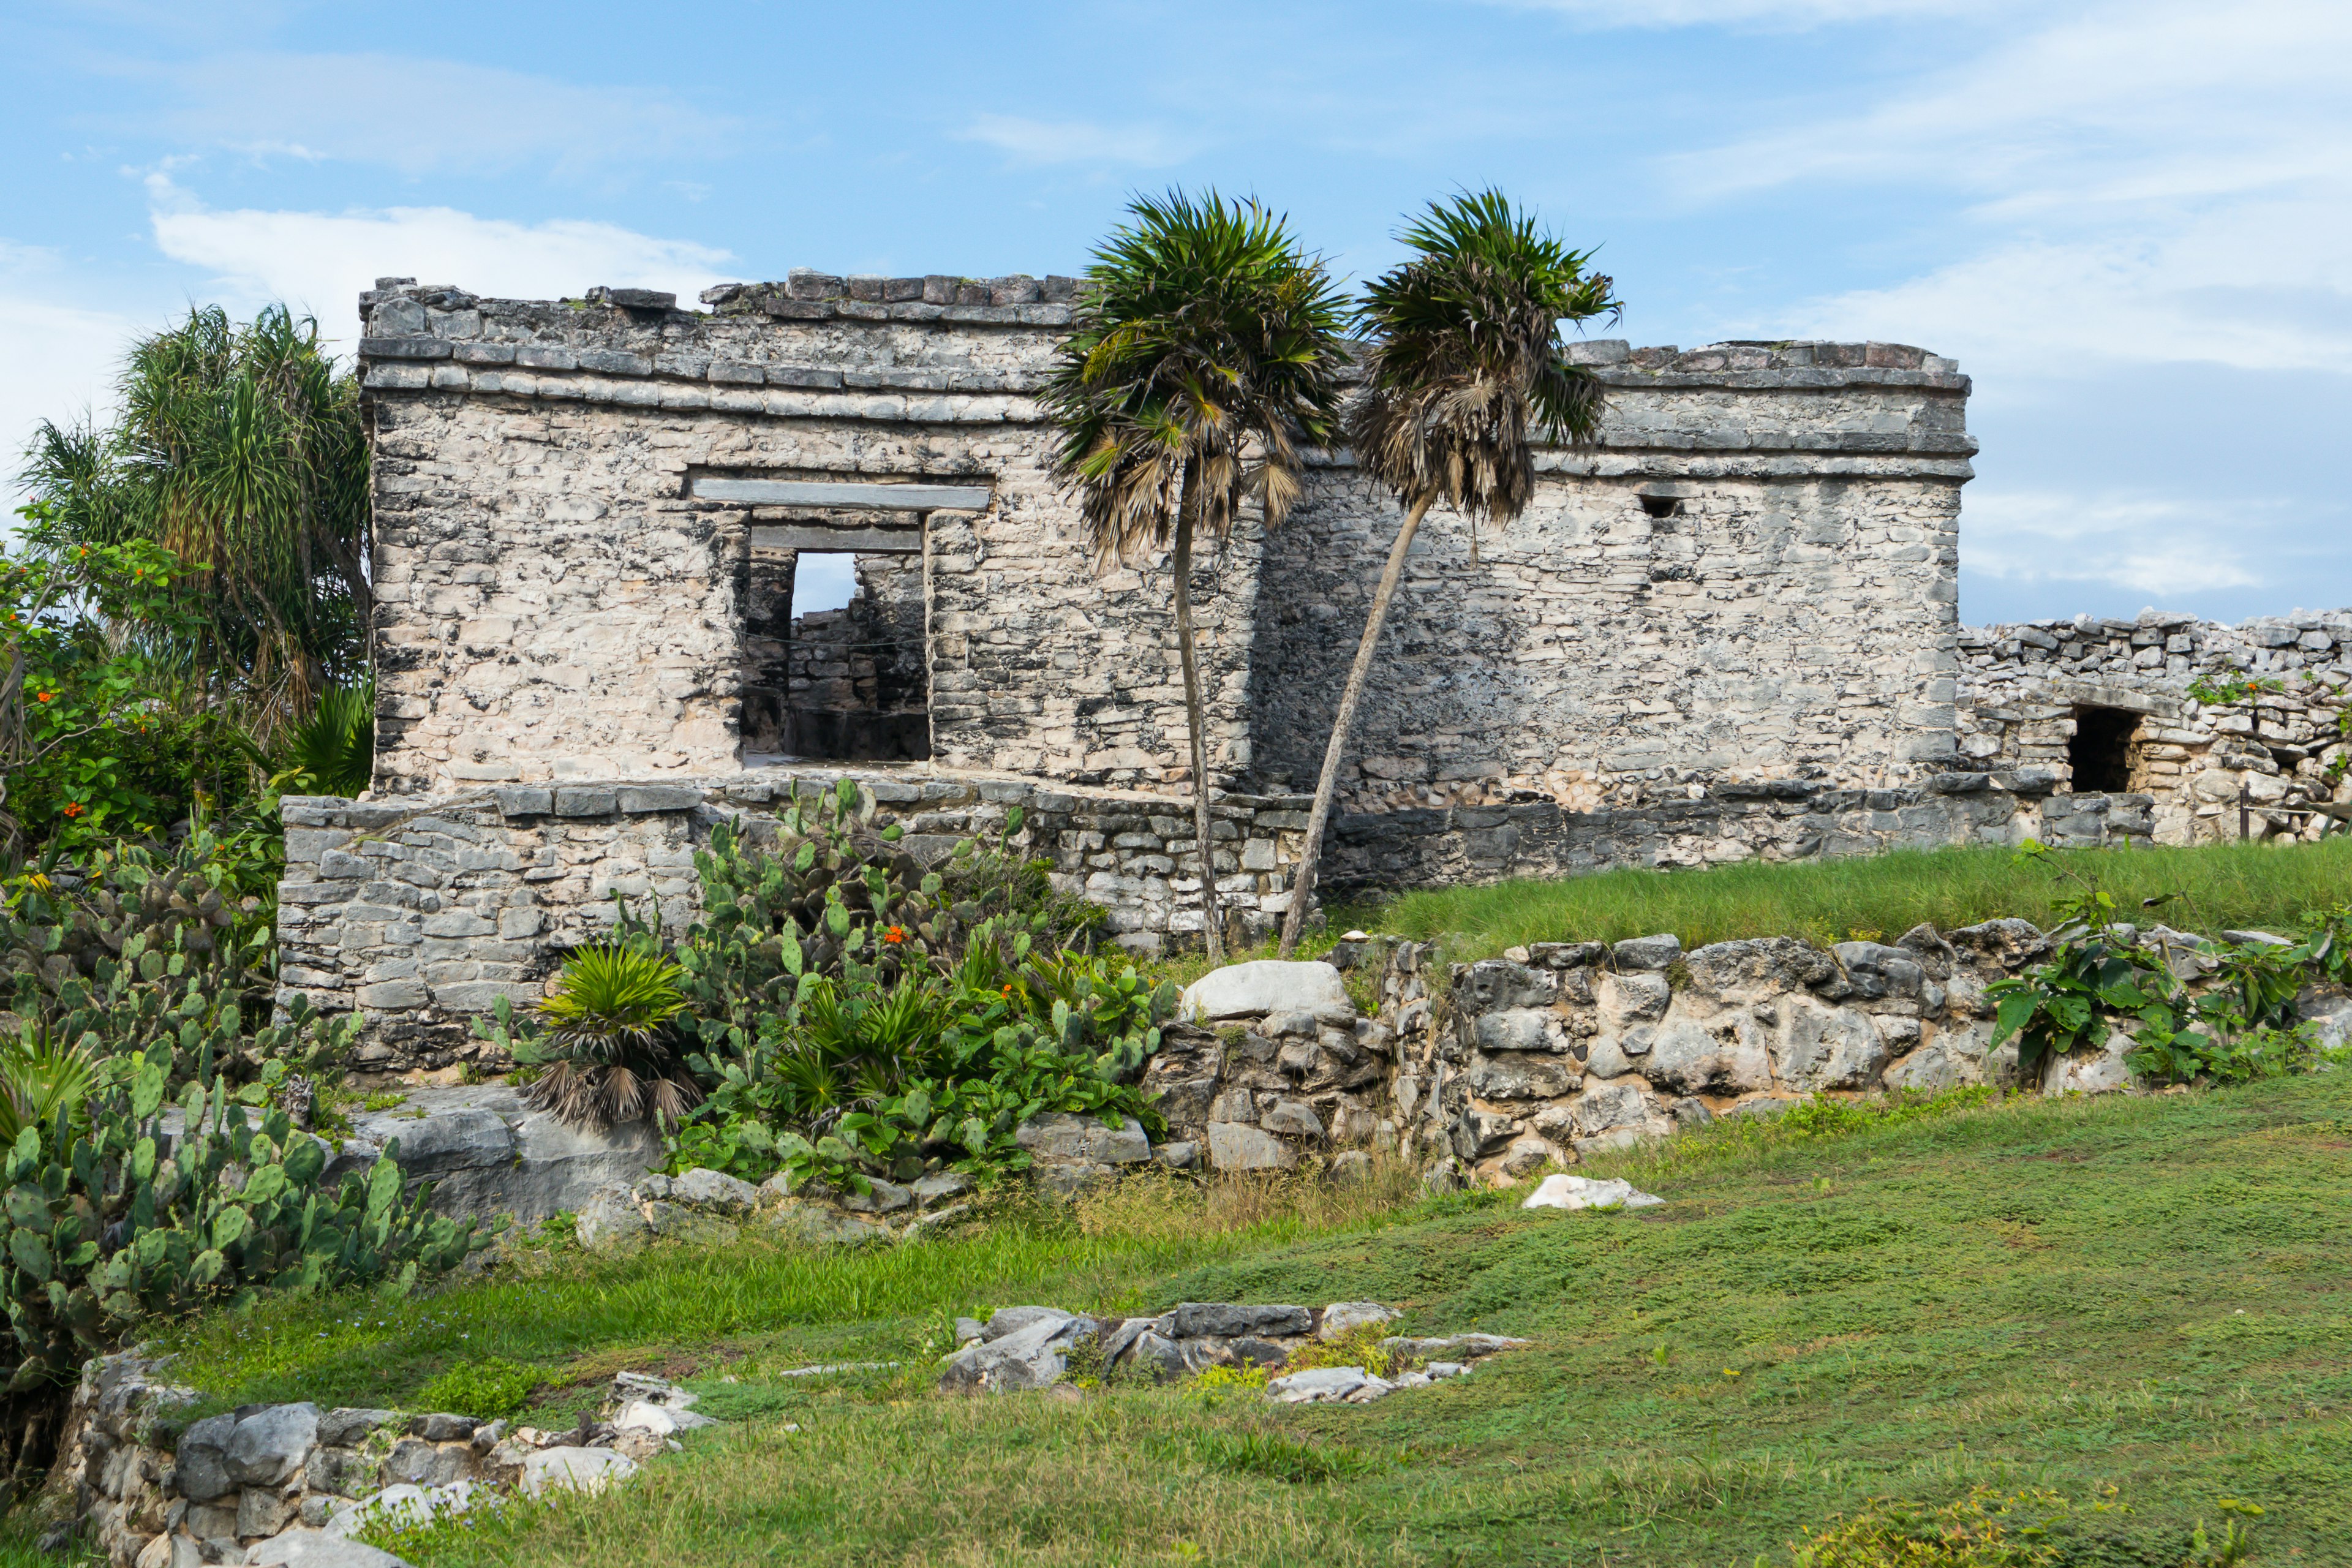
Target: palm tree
{"type": "Point", "coordinates": [1206, 353]}
{"type": "Point", "coordinates": [1466, 358]}
{"type": "Point", "coordinates": [241, 450]}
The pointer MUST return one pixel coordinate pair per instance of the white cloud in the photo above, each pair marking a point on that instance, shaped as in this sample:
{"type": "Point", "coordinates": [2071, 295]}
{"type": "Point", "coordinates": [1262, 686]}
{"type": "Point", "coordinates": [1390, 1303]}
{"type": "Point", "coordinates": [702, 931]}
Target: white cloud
{"type": "Point", "coordinates": [423, 115]}
{"type": "Point", "coordinates": [2150, 185]}
{"type": "Point", "coordinates": [2145, 544]}
{"type": "Point", "coordinates": [61, 356]}
{"type": "Point", "coordinates": [320, 261]}
{"type": "Point", "coordinates": [1077, 141]}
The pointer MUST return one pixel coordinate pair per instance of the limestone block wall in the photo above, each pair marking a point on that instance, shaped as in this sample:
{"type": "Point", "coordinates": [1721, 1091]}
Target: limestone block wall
{"type": "Point", "coordinates": [1750, 577]}
{"type": "Point", "coordinates": [2027, 690]}
{"type": "Point", "coordinates": [557, 601]}
{"type": "Point", "coordinates": [1565, 1050]}
{"type": "Point", "coordinates": [423, 913]}
{"type": "Point", "coordinates": [1782, 820]}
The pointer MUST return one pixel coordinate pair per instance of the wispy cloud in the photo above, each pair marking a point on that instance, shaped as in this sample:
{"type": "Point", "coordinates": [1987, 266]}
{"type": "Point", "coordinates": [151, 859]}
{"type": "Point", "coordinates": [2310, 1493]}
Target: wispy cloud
{"type": "Point", "coordinates": [2144, 544]}
{"type": "Point", "coordinates": [320, 261]}
{"type": "Point", "coordinates": [60, 351]}
{"type": "Point", "coordinates": [1079, 141]}
{"type": "Point", "coordinates": [2145, 184]}
{"type": "Point", "coordinates": [422, 116]}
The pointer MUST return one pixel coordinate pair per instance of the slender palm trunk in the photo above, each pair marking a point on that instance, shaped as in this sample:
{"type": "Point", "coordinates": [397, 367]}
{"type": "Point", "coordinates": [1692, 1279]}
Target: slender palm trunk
{"type": "Point", "coordinates": [1327, 784]}
{"type": "Point", "coordinates": [1193, 718]}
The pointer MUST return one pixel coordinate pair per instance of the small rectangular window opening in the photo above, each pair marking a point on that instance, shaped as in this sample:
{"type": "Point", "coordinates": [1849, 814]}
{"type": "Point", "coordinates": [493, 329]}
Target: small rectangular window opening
{"type": "Point", "coordinates": [834, 664]}
{"type": "Point", "coordinates": [2101, 751]}
{"type": "Point", "coordinates": [1661, 506]}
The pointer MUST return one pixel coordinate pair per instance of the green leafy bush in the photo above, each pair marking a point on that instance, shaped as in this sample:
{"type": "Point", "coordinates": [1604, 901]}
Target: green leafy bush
{"type": "Point", "coordinates": [89, 746]}
{"type": "Point", "coordinates": [2241, 1025]}
{"type": "Point", "coordinates": [488, 1390]}
{"type": "Point", "coordinates": [861, 1016]}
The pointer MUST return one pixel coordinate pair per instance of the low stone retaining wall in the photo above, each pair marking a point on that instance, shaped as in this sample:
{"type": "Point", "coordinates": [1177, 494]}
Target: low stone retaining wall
{"type": "Point", "coordinates": [423, 913]}
{"type": "Point", "coordinates": [1780, 819]}
{"type": "Point", "coordinates": [289, 1483]}
{"type": "Point", "coordinates": [1564, 1050]}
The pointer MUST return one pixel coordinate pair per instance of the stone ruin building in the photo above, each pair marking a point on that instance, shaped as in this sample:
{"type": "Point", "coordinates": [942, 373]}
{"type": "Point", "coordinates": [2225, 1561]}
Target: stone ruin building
{"type": "Point", "coordinates": [1727, 630]}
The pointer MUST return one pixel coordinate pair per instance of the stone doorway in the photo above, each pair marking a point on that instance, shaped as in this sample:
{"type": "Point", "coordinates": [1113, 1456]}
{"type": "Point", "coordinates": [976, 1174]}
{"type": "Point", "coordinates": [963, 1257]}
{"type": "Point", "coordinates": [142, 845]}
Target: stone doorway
{"type": "Point", "coordinates": [2102, 749]}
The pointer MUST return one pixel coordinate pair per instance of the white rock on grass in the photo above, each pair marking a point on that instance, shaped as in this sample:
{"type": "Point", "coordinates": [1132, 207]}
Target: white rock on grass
{"type": "Point", "coordinates": [1341, 1317]}
{"type": "Point", "coordinates": [1317, 1385]}
{"type": "Point", "coordinates": [661, 1420]}
{"type": "Point", "coordinates": [1266, 986]}
{"type": "Point", "coordinates": [574, 1470]}
{"type": "Point", "coordinates": [1565, 1192]}
{"type": "Point", "coordinates": [316, 1548]}
{"type": "Point", "coordinates": [1030, 1355]}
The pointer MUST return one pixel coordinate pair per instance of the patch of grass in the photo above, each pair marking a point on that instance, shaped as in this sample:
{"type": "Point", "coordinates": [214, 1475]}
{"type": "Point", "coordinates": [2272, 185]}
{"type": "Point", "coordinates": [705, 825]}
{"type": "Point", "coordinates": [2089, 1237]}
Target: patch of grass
{"type": "Point", "coordinates": [486, 1390]}
{"type": "Point", "coordinates": [1275, 1456]}
{"type": "Point", "coordinates": [2137, 1304]}
{"type": "Point", "coordinates": [1878, 898]}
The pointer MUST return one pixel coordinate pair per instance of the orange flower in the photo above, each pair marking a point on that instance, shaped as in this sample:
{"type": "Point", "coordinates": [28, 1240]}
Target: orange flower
{"type": "Point", "coordinates": [895, 934]}
{"type": "Point", "coordinates": [44, 696]}
{"type": "Point", "coordinates": [74, 808]}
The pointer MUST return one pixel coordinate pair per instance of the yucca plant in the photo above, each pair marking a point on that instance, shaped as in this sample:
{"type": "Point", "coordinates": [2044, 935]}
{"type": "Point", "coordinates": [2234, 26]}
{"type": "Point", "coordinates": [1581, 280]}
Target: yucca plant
{"type": "Point", "coordinates": [1467, 368]}
{"type": "Point", "coordinates": [44, 1084]}
{"type": "Point", "coordinates": [334, 751]}
{"type": "Point", "coordinates": [607, 1056]}
{"type": "Point", "coordinates": [1206, 354]}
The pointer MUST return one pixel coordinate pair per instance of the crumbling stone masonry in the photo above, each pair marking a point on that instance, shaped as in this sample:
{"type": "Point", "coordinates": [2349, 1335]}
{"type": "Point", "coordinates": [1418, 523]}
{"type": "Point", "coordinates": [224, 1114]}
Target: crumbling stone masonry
{"type": "Point", "coordinates": [1727, 630]}
{"type": "Point", "coordinates": [2105, 705]}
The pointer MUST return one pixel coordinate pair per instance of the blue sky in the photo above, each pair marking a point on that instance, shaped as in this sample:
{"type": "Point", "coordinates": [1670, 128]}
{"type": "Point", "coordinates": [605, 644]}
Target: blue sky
{"type": "Point", "coordinates": [2132, 223]}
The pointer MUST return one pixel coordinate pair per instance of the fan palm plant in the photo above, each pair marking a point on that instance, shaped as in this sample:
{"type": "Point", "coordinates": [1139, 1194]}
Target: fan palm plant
{"type": "Point", "coordinates": [240, 449]}
{"type": "Point", "coordinates": [1466, 361]}
{"type": "Point", "coordinates": [608, 1056]}
{"type": "Point", "coordinates": [1206, 354]}
{"type": "Point", "coordinates": [43, 1084]}
{"type": "Point", "coordinates": [334, 751]}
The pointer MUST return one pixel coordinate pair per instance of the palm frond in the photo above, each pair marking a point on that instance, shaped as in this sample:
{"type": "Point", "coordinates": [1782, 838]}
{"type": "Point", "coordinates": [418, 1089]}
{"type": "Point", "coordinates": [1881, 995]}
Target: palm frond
{"type": "Point", "coordinates": [241, 450]}
{"type": "Point", "coordinates": [1206, 342]}
{"type": "Point", "coordinates": [1468, 361]}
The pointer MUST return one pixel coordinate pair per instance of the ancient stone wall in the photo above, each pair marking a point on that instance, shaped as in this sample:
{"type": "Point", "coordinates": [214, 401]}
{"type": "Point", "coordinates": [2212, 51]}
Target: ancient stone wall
{"type": "Point", "coordinates": [1788, 819]}
{"type": "Point", "coordinates": [2113, 696]}
{"type": "Point", "coordinates": [423, 913]}
{"type": "Point", "coordinates": [1749, 576]}
{"type": "Point", "coordinates": [562, 565]}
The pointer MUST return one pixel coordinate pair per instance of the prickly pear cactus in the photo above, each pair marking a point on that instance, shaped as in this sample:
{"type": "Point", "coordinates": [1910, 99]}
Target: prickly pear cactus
{"type": "Point", "coordinates": [122, 1216]}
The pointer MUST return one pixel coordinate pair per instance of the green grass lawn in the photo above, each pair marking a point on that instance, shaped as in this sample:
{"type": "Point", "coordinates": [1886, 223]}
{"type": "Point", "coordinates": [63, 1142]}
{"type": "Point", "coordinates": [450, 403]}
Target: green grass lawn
{"type": "Point", "coordinates": [2141, 1304]}
{"type": "Point", "coordinates": [2210, 888]}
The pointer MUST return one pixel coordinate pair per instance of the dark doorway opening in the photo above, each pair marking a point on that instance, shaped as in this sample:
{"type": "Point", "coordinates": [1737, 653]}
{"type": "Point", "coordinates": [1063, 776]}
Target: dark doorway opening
{"type": "Point", "coordinates": [2101, 751]}
{"type": "Point", "coordinates": [834, 664]}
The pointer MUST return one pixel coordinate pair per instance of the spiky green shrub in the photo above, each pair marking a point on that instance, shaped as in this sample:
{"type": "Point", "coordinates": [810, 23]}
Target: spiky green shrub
{"type": "Point", "coordinates": [43, 1083]}
{"type": "Point", "coordinates": [607, 1055]}
{"type": "Point", "coordinates": [334, 751]}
